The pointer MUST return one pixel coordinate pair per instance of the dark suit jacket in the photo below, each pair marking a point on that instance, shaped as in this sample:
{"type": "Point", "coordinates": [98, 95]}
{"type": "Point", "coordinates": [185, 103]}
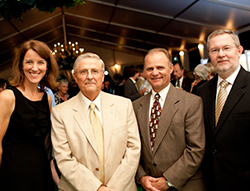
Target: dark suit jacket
{"type": "Point", "coordinates": [180, 140]}
{"type": "Point", "coordinates": [227, 161]}
{"type": "Point", "coordinates": [130, 90]}
{"type": "Point", "coordinates": [186, 84]}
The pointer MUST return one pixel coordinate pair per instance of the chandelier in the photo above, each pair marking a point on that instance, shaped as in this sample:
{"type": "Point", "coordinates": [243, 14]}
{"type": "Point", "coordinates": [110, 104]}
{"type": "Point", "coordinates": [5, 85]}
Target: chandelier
{"type": "Point", "coordinates": [66, 54]}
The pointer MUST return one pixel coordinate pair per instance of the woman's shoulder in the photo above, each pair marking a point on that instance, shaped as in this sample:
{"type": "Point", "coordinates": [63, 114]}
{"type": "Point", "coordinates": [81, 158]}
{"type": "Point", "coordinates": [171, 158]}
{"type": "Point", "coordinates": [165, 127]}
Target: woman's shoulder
{"type": "Point", "coordinates": [7, 98]}
{"type": "Point", "coordinates": [7, 95]}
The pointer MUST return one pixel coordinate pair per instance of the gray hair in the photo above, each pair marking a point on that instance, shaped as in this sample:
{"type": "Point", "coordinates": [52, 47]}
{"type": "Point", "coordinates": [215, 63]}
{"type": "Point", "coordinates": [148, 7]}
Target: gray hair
{"type": "Point", "coordinates": [224, 31]}
{"type": "Point", "coordinates": [201, 71]}
{"type": "Point", "coordinates": [87, 55]}
{"type": "Point", "coordinates": [63, 81]}
{"type": "Point", "coordinates": [163, 50]}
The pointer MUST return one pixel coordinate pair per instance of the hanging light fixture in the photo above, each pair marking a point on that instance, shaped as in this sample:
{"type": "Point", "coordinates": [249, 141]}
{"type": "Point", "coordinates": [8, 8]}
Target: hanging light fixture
{"type": "Point", "coordinates": [70, 49]}
{"type": "Point", "coordinates": [66, 53]}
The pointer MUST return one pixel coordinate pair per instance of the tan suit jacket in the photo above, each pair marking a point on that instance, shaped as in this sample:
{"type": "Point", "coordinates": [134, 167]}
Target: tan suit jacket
{"type": "Point", "coordinates": [75, 148]}
{"type": "Point", "coordinates": [180, 140]}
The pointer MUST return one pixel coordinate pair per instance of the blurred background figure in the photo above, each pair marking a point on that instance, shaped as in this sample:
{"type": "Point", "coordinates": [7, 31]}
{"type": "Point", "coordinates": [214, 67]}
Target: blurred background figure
{"type": "Point", "coordinates": [146, 86]}
{"type": "Point", "coordinates": [200, 77]}
{"type": "Point", "coordinates": [180, 81]}
{"type": "Point", "coordinates": [119, 89]}
{"type": "Point", "coordinates": [130, 88]}
{"type": "Point", "coordinates": [140, 79]}
{"type": "Point", "coordinates": [73, 89]}
{"type": "Point", "coordinates": [62, 94]}
{"type": "Point", "coordinates": [107, 87]}
{"type": "Point", "coordinates": [3, 84]}
{"type": "Point", "coordinates": [211, 70]}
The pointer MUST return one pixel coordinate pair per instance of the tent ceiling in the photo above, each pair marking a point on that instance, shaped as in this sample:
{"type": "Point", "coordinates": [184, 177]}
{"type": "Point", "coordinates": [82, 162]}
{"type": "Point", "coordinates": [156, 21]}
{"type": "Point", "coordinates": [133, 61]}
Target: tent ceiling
{"type": "Point", "coordinates": [129, 26]}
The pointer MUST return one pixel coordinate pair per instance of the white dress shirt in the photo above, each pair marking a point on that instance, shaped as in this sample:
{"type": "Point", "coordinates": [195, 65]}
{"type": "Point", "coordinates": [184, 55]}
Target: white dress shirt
{"type": "Point", "coordinates": [163, 94]}
{"type": "Point", "coordinates": [97, 102]}
{"type": "Point", "coordinates": [230, 79]}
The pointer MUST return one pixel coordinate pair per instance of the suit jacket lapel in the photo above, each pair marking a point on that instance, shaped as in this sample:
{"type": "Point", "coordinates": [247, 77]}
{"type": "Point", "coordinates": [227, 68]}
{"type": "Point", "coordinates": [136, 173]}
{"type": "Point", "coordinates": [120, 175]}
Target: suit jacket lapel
{"type": "Point", "coordinates": [210, 99]}
{"type": "Point", "coordinates": [234, 96]}
{"type": "Point", "coordinates": [82, 119]}
{"type": "Point", "coordinates": [143, 120]}
{"type": "Point", "coordinates": [108, 117]}
{"type": "Point", "coordinates": [169, 109]}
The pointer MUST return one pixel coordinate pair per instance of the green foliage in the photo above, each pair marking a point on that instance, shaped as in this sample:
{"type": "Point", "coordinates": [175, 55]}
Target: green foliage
{"type": "Point", "coordinates": [14, 8]}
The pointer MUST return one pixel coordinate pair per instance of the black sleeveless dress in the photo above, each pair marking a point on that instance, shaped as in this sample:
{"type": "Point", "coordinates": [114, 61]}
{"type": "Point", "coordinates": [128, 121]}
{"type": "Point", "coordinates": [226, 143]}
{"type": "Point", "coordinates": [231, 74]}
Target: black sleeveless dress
{"type": "Point", "coordinates": [25, 165]}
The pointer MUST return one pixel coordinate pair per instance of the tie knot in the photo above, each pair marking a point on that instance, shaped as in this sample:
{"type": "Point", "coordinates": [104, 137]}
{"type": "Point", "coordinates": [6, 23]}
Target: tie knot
{"type": "Point", "coordinates": [224, 83]}
{"type": "Point", "coordinates": [157, 96]}
{"type": "Point", "coordinates": [92, 106]}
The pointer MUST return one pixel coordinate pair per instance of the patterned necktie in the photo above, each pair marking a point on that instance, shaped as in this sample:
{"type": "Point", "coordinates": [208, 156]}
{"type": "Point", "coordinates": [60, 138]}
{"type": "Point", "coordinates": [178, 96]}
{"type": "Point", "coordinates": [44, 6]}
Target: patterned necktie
{"type": "Point", "coordinates": [154, 119]}
{"type": "Point", "coordinates": [221, 99]}
{"type": "Point", "coordinates": [98, 133]}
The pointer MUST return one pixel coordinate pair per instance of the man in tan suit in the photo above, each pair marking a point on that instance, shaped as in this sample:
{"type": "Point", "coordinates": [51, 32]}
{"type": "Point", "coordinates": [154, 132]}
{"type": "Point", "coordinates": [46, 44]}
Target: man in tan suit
{"type": "Point", "coordinates": [172, 155]}
{"type": "Point", "coordinates": [76, 148]}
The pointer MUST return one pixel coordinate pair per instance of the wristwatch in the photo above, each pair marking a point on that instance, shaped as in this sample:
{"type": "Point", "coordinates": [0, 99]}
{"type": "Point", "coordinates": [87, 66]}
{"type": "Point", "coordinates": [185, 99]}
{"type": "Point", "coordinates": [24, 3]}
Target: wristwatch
{"type": "Point", "coordinates": [169, 184]}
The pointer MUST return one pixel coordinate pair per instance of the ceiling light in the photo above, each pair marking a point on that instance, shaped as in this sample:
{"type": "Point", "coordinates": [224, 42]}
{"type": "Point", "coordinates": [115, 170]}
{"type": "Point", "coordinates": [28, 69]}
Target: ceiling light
{"type": "Point", "coordinates": [66, 53]}
{"type": "Point", "coordinates": [181, 53]}
{"type": "Point", "coordinates": [200, 46]}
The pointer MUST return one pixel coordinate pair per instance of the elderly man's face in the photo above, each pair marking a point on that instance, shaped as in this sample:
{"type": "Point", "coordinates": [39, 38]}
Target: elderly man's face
{"type": "Point", "coordinates": [89, 76]}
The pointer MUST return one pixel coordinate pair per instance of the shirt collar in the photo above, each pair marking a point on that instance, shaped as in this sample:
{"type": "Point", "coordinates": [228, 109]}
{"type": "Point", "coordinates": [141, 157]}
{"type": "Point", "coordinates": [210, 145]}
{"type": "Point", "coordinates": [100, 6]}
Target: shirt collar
{"type": "Point", "coordinates": [132, 80]}
{"type": "Point", "coordinates": [163, 93]}
{"type": "Point", "coordinates": [87, 102]}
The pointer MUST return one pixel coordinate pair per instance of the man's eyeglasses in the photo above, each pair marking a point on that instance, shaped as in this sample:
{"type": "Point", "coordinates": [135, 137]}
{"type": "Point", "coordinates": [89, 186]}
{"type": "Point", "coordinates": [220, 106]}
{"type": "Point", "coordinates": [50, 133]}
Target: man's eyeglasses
{"type": "Point", "coordinates": [94, 72]}
{"type": "Point", "coordinates": [225, 49]}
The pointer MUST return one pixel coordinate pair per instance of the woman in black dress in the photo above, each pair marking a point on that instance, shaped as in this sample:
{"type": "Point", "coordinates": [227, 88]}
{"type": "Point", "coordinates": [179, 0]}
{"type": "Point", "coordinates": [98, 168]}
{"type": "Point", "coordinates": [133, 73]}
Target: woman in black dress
{"type": "Point", "coordinates": [25, 120]}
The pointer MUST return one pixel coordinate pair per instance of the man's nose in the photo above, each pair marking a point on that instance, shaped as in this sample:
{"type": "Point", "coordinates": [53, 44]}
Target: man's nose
{"type": "Point", "coordinates": [155, 72]}
{"type": "Point", "coordinates": [221, 52]}
{"type": "Point", "coordinates": [89, 74]}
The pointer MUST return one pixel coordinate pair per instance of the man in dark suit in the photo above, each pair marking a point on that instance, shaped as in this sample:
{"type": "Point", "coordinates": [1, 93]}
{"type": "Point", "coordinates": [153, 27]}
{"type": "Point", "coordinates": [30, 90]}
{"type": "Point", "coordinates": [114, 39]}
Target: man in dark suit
{"type": "Point", "coordinates": [172, 149]}
{"type": "Point", "coordinates": [227, 160]}
{"type": "Point", "coordinates": [130, 88]}
{"type": "Point", "coordinates": [180, 81]}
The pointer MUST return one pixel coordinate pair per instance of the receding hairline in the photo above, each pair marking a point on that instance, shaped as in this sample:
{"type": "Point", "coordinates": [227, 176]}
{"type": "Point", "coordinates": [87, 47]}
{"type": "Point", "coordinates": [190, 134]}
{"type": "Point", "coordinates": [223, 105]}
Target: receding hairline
{"type": "Point", "coordinates": [163, 50]}
{"type": "Point", "coordinates": [88, 55]}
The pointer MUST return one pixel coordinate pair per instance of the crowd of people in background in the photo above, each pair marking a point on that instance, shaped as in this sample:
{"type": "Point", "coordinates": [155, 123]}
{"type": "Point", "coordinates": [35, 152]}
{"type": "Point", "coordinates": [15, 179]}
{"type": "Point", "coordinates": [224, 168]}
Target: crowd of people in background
{"type": "Point", "coordinates": [159, 127]}
{"type": "Point", "coordinates": [135, 85]}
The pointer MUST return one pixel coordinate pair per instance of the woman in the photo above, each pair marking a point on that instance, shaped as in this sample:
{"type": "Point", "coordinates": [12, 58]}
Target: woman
{"type": "Point", "coordinates": [25, 120]}
{"type": "Point", "coordinates": [200, 77]}
{"type": "Point", "coordinates": [62, 94]}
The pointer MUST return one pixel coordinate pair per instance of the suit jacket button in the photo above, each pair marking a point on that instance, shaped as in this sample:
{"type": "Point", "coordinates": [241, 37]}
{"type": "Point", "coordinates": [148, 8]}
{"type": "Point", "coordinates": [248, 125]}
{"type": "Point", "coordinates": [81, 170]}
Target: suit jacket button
{"type": "Point", "coordinates": [97, 169]}
{"type": "Point", "coordinates": [154, 164]}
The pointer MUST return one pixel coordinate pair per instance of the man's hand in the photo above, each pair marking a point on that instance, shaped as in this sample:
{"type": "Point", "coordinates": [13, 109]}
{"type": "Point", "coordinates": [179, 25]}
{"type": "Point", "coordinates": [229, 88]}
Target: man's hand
{"type": "Point", "coordinates": [147, 183]}
{"type": "Point", "coordinates": [160, 184]}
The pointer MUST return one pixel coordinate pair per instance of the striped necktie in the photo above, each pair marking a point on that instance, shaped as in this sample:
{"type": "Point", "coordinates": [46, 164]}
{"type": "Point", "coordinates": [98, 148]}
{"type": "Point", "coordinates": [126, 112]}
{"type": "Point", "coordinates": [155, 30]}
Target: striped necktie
{"type": "Point", "coordinates": [221, 99]}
